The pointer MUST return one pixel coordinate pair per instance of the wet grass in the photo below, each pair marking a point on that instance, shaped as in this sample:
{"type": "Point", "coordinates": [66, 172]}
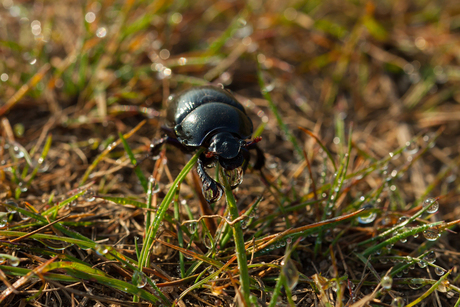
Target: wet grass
{"type": "Point", "coordinates": [357, 104]}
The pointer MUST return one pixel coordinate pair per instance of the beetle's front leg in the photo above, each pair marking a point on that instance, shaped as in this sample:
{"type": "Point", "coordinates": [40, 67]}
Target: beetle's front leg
{"type": "Point", "coordinates": [212, 190]}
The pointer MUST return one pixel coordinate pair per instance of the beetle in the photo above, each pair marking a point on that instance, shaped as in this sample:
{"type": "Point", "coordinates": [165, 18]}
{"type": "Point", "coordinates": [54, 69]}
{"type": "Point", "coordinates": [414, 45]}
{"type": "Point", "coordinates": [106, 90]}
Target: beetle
{"type": "Point", "coordinates": [212, 118]}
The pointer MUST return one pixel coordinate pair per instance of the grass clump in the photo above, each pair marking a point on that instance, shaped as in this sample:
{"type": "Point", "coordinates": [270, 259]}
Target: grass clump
{"type": "Point", "coordinates": [357, 104]}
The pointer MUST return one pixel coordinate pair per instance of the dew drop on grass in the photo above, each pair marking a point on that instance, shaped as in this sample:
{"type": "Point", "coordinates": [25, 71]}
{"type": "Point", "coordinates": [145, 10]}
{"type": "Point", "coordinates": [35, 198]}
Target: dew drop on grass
{"type": "Point", "coordinates": [431, 234]}
{"type": "Point", "coordinates": [89, 195]}
{"type": "Point", "coordinates": [192, 227]}
{"type": "Point", "coordinates": [11, 208]}
{"type": "Point", "coordinates": [210, 195]}
{"type": "Point", "coordinates": [432, 204]}
{"type": "Point", "coordinates": [235, 176]}
{"type": "Point", "coordinates": [430, 257]}
{"type": "Point", "coordinates": [13, 261]}
{"type": "Point", "coordinates": [439, 271]}
{"type": "Point", "coordinates": [367, 217]}
{"type": "Point", "coordinates": [415, 283]}
{"type": "Point", "coordinates": [387, 282]}
{"type": "Point", "coordinates": [402, 219]}
{"type": "Point", "coordinates": [18, 153]}
{"type": "Point", "coordinates": [139, 279]}
{"type": "Point", "coordinates": [291, 273]}
{"type": "Point", "coordinates": [421, 264]}
{"type": "Point", "coordinates": [3, 219]}
{"type": "Point", "coordinates": [207, 242]}
{"type": "Point", "coordinates": [411, 148]}
{"type": "Point", "coordinates": [101, 250]}
{"type": "Point", "coordinates": [398, 302]}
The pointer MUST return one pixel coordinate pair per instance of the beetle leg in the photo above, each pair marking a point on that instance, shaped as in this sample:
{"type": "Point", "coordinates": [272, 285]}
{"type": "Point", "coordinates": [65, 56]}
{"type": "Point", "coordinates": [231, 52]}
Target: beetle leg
{"type": "Point", "coordinates": [212, 190]}
{"type": "Point", "coordinates": [260, 161]}
{"type": "Point", "coordinates": [247, 158]}
{"type": "Point", "coordinates": [156, 145]}
{"type": "Point", "coordinates": [154, 150]}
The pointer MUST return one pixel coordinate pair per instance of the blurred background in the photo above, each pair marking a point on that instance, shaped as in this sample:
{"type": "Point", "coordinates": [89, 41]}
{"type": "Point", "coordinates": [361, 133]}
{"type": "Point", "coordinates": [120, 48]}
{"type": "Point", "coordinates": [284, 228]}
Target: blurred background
{"type": "Point", "coordinates": [384, 74]}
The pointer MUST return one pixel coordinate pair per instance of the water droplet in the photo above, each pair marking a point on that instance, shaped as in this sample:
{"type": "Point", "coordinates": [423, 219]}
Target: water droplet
{"type": "Point", "coordinates": [416, 283]}
{"type": "Point", "coordinates": [235, 176]}
{"type": "Point", "coordinates": [12, 206]}
{"type": "Point", "coordinates": [23, 186]}
{"type": "Point", "coordinates": [421, 264]}
{"type": "Point", "coordinates": [439, 271]}
{"type": "Point", "coordinates": [139, 279]}
{"type": "Point", "coordinates": [101, 249]}
{"type": "Point", "coordinates": [291, 273]}
{"type": "Point", "coordinates": [3, 219]}
{"type": "Point", "coordinates": [17, 152]}
{"type": "Point", "coordinates": [402, 219]}
{"type": "Point", "coordinates": [192, 227]}
{"type": "Point", "coordinates": [208, 242]}
{"type": "Point", "coordinates": [387, 282]}
{"type": "Point", "coordinates": [367, 216]}
{"type": "Point", "coordinates": [411, 148]}
{"type": "Point", "coordinates": [431, 234]}
{"type": "Point", "coordinates": [398, 302]}
{"type": "Point", "coordinates": [432, 204]}
{"type": "Point", "coordinates": [403, 240]}
{"type": "Point", "coordinates": [430, 257]}
{"type": "Point", "coordinates": [210, 194]}
{"type": "Point", "coordinates": [13, 261]}
{"type": "Point", "coordinates": [89, 195]}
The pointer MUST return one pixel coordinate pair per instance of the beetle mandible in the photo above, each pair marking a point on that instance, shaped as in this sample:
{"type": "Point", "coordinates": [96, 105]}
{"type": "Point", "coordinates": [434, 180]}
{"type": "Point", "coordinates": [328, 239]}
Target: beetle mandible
{"type": "Point", "coordinates": [212, 118]}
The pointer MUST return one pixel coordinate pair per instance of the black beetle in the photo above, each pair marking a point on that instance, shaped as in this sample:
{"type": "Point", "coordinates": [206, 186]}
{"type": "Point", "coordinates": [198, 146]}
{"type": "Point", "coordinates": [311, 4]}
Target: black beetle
{"type": "Point", "coordinates": [212, 118]}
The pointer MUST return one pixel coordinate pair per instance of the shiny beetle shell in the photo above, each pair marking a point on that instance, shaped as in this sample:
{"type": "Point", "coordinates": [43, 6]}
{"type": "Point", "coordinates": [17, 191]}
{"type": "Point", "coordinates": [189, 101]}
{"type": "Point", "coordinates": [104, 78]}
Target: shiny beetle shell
{"type": "Point", "coordinates": [200, 112]}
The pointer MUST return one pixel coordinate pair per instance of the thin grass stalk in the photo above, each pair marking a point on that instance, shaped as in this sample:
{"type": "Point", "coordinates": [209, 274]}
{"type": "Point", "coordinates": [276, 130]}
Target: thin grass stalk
{"type": "Point", "coordinates": [239, 239]}
{"type": "Point", "coordinates": [152, 230]}
{"type": "Point", "coordinates": [180, 236]}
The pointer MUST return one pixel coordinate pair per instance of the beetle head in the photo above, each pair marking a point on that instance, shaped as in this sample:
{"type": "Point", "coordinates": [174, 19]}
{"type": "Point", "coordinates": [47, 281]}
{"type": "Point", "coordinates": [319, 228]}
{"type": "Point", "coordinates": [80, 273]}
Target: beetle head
{"type": "Point", "coordinates": [227, 148]}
